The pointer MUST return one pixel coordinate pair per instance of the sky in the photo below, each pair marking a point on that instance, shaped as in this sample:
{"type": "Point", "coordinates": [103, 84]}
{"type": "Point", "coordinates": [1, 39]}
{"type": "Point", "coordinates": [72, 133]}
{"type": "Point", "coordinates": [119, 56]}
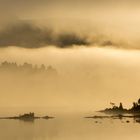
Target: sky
{"type": "Point", "coordinates": [87, 22]}
{"type": "Point", "coordinates": [93, 44]}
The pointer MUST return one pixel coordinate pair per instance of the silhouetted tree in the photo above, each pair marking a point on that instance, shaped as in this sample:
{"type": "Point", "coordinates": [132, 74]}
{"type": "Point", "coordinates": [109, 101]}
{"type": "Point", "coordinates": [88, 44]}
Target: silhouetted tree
{"type": "Point", "coordinates": [139, 101]}
{"type": "Point", "coordinates": [27, 68]}
{"type": "Point", "coordinates": [121, 106]}
{"type": "Point", "coordinates": [134, 105]}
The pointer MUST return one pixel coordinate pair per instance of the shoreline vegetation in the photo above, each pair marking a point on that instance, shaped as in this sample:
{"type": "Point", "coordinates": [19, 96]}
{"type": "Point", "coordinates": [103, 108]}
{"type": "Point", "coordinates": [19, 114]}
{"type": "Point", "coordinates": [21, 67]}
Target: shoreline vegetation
{"type": "Point", "coordinates": [27, 117]}
{"type": "Point", "coordinates": [135, 109]}
{"type": "Point", "coordinates": [119, 112]}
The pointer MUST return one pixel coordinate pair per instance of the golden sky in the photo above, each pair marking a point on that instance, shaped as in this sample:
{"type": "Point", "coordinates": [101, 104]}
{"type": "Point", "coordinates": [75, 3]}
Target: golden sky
{"type": "Point", "coordinates": [102, 21]}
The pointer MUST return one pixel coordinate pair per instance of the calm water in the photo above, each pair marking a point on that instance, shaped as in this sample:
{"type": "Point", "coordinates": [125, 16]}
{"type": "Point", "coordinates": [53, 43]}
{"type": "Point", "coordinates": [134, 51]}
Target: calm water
{"type": "Point", "coordinates": [70, 128]}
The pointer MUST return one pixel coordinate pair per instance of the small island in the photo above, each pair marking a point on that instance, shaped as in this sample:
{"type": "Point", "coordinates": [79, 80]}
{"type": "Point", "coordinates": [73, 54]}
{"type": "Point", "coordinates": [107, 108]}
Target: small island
{"type": "Point", "coordinates": [27, 117]}
{"type": "Point", "coordinates": [119, 112]}
{"type": "Point", "coordinates": [135, 109]}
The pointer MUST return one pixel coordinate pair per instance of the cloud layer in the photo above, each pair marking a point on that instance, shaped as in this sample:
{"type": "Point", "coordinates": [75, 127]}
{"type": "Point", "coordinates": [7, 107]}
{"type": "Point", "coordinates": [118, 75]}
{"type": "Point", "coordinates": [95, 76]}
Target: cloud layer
{"type": "Point", "coordinates": [31, 36]}
{"type": "Point", "coordinates": [27, 34]}
{"type": "Point", "coordinates": [82, 22]}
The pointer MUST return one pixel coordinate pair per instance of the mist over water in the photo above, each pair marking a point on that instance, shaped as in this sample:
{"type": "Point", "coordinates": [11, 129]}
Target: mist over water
{"type": "Point", "coordinates": [88, 80]}
{"type": "Point", "coordinates": [68, 59]}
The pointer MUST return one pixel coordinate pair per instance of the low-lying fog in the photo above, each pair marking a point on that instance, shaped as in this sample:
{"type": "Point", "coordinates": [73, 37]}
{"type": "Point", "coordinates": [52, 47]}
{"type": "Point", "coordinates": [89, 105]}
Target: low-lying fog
{"type": "Point", "coordinates": [88, 79]}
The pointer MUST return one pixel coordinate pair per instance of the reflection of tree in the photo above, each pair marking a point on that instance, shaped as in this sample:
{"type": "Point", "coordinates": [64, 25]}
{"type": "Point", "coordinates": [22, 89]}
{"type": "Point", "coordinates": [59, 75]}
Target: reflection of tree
{"type": "Point", "coordinates": [27, 68]}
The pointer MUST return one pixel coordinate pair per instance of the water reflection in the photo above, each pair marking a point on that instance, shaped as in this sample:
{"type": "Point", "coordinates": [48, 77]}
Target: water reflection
{"type": "Point", "coordinates": [122, 118]}
{"type": "Point", "coordinates": [27, 120]}
{"type": "Point", "coordinates": [70, 128]}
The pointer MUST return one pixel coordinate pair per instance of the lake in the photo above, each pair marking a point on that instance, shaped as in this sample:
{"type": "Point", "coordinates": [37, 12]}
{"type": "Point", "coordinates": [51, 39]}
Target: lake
{"type": "Point", "coordinates": [70, 128]}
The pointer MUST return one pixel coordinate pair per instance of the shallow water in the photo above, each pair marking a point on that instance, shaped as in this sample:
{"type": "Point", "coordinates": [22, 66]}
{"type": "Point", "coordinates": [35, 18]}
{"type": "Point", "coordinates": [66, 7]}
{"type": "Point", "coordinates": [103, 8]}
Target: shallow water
{"type": "Point", "coordinates": [70, 128]}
